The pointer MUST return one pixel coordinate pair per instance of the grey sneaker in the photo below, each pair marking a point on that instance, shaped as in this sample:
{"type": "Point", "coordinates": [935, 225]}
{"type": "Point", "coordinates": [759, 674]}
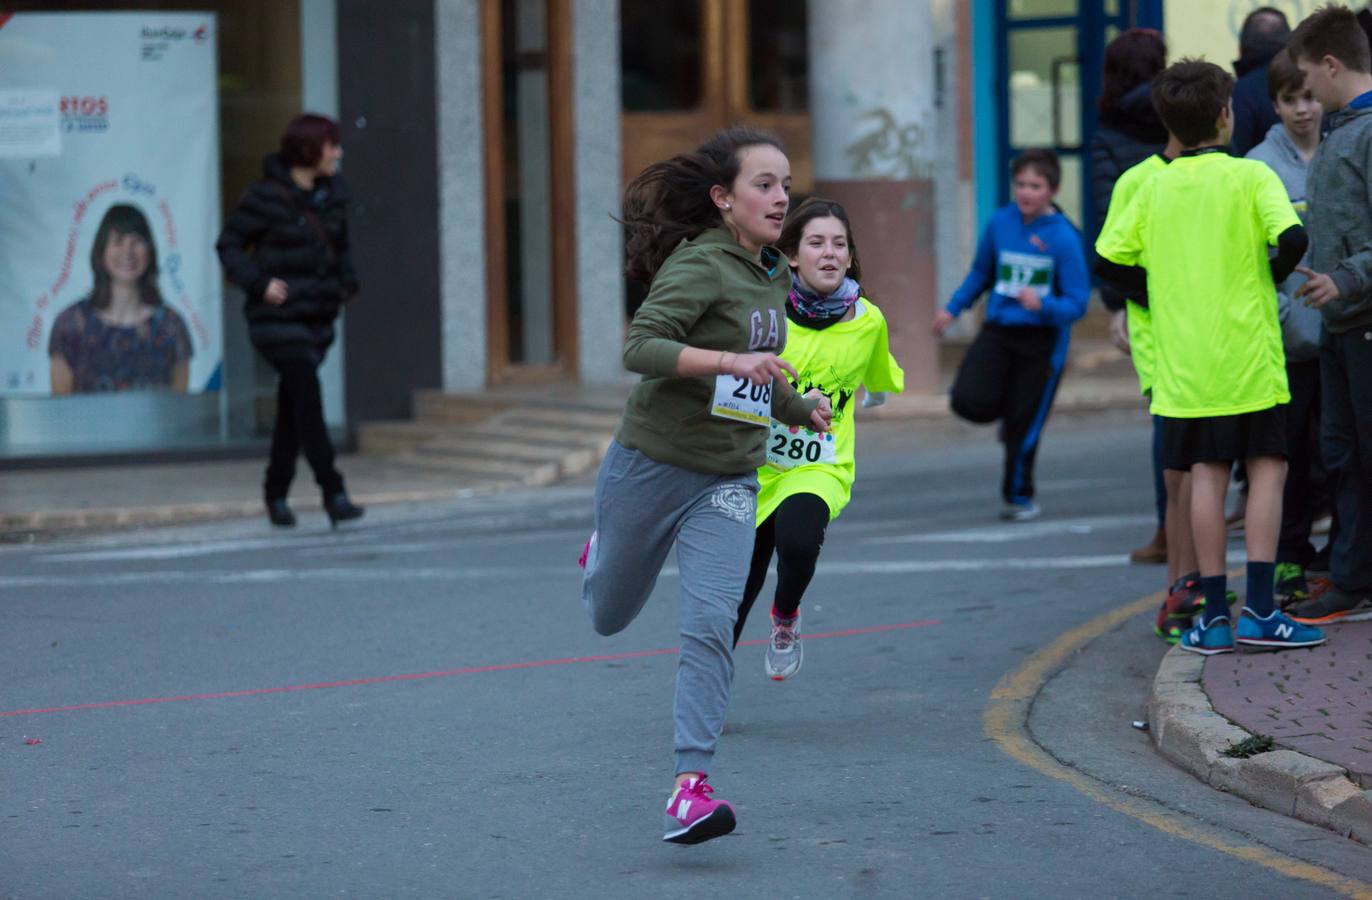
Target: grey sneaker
{"type": "Point", "coordinates": [1333, 605]}
{"type": "Point", "coordinates": [785, 652]}
{"type": "Point", "coordinates": [1020, 512]}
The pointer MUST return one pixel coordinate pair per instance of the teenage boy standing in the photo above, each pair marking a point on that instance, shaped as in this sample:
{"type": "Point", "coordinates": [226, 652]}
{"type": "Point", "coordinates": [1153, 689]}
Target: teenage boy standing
{"type": "Point", "coordinates": [1288, 147]}
{"type": "Point", "coordinates": [1332, 51]}
{"type": "Point", "coordinates": [1202, 227]}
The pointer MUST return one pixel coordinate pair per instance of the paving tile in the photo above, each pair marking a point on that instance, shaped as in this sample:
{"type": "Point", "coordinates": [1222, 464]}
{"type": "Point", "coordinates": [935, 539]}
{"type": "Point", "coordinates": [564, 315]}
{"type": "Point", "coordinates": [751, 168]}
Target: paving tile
{"type": "Point", "coordinates": [1316, 701]}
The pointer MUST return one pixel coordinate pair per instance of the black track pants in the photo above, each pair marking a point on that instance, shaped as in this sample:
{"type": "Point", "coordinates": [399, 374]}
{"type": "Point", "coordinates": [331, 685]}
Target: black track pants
{"type": "Point", "coordinates": [795, 533]}
{"type": "Point", "coordinates": [1011, 374]}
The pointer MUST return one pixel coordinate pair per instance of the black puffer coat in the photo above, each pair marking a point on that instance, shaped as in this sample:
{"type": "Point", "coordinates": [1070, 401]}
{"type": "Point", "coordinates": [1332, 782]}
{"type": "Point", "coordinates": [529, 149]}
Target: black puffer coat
{"type": "Point", "coordinates": [1130, 131]}
{"type": "Point", "coordinates": [280, 231]}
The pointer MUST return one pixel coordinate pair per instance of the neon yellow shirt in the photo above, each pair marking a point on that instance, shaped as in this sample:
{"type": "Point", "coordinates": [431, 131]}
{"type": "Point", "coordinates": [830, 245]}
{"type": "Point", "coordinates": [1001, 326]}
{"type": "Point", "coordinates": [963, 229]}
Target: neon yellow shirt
{"type": "Point", "coordinates": [837, 360]}
{"type": "Point", "coordinates": [1202, 228]}
{"type": "Point", "coordinates": [1140, 320]}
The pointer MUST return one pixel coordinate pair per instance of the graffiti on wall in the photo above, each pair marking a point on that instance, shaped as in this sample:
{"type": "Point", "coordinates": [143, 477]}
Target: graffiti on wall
{"type": "Point", "coordinates": [889, 149]}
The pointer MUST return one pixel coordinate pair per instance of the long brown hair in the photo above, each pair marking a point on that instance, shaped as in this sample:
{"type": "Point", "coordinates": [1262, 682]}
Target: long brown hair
{"type": "Point", "coordinates": [818, 208]}
{"type": "Point", "coordinates": [669, 201]}
{"type": "Point", "coordinates": [1135, 57]}
{"type": "Point", "coordinates": [124, 219]}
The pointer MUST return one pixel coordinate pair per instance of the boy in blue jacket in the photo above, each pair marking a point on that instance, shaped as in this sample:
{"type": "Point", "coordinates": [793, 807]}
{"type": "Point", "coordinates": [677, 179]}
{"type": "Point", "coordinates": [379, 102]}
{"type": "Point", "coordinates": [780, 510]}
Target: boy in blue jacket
{"type": "Point", "coordinates": [1030, 258]}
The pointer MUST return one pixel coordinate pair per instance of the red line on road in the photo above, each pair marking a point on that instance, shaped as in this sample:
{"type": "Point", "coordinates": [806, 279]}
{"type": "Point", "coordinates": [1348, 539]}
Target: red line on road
{"type": "Point", "coordinates": [447, 673]}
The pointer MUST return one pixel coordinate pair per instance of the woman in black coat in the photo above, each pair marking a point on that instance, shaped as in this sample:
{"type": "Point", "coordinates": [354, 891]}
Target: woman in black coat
{"type": "Point", "coordinates": [286, 246]}
{"type": "Point", "coordinates": [1130, 131]}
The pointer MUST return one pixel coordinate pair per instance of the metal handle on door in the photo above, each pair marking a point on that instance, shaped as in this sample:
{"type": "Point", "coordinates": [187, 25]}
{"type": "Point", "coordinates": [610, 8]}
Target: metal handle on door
{"type": "Point", "coordinates": [1057, 65]}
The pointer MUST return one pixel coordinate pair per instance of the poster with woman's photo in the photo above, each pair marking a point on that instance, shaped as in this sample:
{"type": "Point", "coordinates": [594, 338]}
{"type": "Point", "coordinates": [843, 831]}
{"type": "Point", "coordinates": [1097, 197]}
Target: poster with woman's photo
{"type": "Point", "coordinates": [109, 175]}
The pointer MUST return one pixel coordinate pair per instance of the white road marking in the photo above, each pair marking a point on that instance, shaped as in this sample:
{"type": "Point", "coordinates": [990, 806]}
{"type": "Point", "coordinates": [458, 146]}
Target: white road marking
{"type": "Point", "coordinates": [1018, 531]}
{"type": "Point", "coordinates": [399, 574]}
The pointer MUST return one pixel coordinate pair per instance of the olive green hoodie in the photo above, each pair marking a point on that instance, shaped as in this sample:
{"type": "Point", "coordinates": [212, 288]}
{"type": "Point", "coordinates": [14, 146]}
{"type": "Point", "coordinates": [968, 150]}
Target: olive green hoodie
{"type": "Point", "coordinates": [712, 294]}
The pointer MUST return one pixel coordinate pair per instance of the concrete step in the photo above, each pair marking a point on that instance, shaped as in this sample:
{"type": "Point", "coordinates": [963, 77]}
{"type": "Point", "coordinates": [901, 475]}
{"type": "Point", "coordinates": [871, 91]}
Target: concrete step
{"type": "Point", "coordinates": [376, 438]}
{"type": "Point", "coordinates": [548, 433]}
{"type": "Point", "coordinates": [453, 479]}
{"type": "Point", "coordinates": [437, 407]}
{"type": "Point", "coordinates": [529, 474]}
{"type": "Point", "coordinates": [486, 446]}
{"type": "Point", "coordinates": [582, 417]}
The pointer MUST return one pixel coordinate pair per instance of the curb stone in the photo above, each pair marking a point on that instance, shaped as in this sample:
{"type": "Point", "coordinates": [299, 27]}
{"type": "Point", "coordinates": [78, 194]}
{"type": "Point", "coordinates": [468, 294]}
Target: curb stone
{"type": "Point", "coordinates": [189, 513]}
{"type": "Point", "coordinates": [1188, 731]}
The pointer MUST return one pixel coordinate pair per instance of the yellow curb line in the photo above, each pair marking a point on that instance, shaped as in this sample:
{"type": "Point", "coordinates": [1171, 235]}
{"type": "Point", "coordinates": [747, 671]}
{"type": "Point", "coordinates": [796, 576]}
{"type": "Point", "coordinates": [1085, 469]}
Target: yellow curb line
{"type": "Point", "coordinates": [1004, 721]}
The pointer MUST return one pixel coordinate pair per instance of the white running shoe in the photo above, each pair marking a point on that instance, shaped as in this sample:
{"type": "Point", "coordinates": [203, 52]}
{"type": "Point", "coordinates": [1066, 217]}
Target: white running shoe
{"type": "Point", "coordinates": [785, 652]}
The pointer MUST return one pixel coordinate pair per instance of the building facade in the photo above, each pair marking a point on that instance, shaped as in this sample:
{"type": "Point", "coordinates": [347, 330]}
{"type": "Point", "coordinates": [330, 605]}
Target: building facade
{"type": "Point", "coordinates": [488, 143]}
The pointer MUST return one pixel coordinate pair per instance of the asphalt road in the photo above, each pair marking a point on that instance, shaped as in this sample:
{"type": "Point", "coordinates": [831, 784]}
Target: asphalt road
{"type": "Point", "coordinates": [418, 707]}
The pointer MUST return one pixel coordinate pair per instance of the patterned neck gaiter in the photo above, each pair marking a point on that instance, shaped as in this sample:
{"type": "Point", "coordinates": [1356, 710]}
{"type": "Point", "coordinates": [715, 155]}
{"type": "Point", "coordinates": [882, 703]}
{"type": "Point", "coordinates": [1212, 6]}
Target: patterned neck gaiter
{"type": "Point", "coordinates": [809, 309]}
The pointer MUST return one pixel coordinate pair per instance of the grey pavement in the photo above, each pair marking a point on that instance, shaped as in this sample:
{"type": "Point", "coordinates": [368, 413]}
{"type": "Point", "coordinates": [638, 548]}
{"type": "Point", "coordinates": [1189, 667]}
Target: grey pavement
{"type": "Point", "coordinates": [418, 707]}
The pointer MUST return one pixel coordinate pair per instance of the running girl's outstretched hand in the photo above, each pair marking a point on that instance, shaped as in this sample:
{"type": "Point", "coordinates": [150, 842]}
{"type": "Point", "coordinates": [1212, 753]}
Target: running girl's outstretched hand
{"type": "Point", "coordinates": [942, 319]}
{"type": "Point", "coordinates": [759, 368]}
{"type": "Point", "coordinates": [823, 414]}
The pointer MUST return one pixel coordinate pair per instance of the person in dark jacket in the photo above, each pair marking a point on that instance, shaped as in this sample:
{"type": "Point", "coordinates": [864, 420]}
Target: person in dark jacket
{"type": "Point", "coordinates": [1264, 35]}
{"type": "Point", "coordinates": [286, 245]}
{"type": "Point", "coordinates": [1130, 132]}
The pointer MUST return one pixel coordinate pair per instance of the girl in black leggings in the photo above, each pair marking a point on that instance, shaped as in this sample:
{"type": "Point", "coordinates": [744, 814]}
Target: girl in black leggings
{"type": "Point", "coordinates": [837, 342]}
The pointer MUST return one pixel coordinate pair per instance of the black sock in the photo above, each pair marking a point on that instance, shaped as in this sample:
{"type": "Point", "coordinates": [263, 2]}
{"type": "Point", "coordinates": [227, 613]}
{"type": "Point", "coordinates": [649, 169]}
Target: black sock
{"type": "Point", "coordinates": [1216, 607]}
{"type": "Point", "coordinates": [1260, 580]}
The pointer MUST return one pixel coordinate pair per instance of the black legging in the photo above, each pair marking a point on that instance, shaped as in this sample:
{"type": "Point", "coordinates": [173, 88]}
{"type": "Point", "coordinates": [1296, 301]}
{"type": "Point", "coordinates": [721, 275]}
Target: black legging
{"type": "Point", "coordinates": [795, 532]}
{"type": "Point", "coordinates": [300, 423]}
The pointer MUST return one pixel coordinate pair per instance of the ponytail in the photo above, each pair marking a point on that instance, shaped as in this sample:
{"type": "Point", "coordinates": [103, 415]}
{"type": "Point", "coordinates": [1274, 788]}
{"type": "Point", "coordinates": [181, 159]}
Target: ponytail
{"type": "Point", "coordinates": [669, 201]}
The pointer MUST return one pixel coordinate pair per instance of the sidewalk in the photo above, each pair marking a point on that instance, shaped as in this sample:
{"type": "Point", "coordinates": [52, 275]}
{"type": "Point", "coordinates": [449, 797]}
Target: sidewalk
{"type": "Point", "coordinates": [1316, 706]}
{"type": "Point", "coordinates": [101, 497]}
{"type": "Point", "coordinates": [545, 433]}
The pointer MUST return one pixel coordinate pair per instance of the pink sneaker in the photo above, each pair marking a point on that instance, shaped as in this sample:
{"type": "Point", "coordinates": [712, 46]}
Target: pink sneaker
{"type": "Point", "coordinates": [692, 817]}
{"type": "Point", "coordinates": [586, 550]}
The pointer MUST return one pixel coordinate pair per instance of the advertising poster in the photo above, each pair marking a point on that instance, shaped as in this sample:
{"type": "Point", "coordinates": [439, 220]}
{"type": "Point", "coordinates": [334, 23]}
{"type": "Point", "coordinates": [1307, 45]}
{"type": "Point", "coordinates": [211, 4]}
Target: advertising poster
{"type": "Point", "coordinates": [109, 203]}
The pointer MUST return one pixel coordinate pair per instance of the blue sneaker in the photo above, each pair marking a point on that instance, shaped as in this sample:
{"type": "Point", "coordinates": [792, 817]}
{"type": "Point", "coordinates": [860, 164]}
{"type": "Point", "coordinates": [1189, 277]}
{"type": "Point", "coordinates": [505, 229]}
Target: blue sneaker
{"type": "Point", "coordinates": [1207, 640]}
{"type": "Point", "coordinates": [1277, 630]}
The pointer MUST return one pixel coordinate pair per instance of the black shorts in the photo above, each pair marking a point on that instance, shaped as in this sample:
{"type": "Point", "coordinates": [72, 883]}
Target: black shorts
{"type": "Point", "coordinates": [1223, 439]}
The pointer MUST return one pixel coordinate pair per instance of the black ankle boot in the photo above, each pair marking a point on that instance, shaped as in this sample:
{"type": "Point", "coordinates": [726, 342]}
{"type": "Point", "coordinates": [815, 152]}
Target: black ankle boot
{"type": "Point", "coordinates": [280, 513]}
{"type": "Point", "coordinates": [340, 509]}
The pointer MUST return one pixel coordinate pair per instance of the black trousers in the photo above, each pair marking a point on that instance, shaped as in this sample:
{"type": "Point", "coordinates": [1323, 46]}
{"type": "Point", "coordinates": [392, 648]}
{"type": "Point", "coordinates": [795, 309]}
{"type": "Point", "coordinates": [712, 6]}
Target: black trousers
{"type": "Point", "coordinates": [795, 533]}
{"type": "Point", "coordinates": [299, 424]}
{"type": "Point", "coordinates": [1303, 495]}
{"type": "Point", "coordinates": [1011, 374]}
{"type": "Point", "coordinates": [1346, 444]}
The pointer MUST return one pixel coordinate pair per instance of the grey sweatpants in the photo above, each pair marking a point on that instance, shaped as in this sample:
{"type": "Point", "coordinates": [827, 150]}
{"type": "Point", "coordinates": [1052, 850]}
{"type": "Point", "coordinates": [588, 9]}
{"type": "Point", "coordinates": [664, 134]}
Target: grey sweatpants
{"type": "Point", "coordinates": [642, 507]}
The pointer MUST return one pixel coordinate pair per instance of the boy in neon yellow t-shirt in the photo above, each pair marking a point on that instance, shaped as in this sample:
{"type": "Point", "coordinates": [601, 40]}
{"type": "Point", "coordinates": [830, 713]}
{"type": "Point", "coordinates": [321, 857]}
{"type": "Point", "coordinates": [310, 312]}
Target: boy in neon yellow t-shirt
{"type": "Point", "coordinates": [1183, 577]}
{"type": "Point", "coordinates": [837, 342]}
{"type": "Point", "coordinates": [1193, 245]}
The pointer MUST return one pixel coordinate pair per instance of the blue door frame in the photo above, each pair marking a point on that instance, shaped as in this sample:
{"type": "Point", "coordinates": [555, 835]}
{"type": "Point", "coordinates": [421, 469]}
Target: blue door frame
{"type": "Point", "coordinates": [1091, 23]}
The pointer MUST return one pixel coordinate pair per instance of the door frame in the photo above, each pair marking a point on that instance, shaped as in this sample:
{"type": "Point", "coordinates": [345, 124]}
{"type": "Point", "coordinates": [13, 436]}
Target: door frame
{"type": "Point", "coordinates": [724, 100]}
{"type": "Point", "coordinates": [562, 174]}
{"type": "Point", "coordinates": [1090, 21]}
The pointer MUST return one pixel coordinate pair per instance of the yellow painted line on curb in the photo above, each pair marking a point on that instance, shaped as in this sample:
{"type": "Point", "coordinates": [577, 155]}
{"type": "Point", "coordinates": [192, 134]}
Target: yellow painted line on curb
{"type": "Point", "coordinates": [1004, 721]}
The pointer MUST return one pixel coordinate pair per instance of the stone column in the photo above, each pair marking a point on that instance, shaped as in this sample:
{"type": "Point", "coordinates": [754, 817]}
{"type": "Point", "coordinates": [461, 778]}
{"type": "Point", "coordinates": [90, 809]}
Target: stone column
{"type": "Point", "coordinates": [872, 116]}
{"type": "Point", "coordinates": [462, 194]}
{"type": "Point", "coordinates": [599, 239]}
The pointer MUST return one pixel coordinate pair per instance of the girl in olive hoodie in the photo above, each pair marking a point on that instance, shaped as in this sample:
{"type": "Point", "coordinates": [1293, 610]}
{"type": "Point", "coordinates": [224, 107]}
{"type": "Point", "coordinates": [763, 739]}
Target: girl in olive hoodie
{"type": "Point", "coordinates": [682, 468]}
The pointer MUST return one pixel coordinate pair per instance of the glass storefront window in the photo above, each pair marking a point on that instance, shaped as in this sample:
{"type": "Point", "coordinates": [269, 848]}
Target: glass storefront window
{"type": "Point", "coordinates": [1042, 9]}
{"type": "Point", "coordinates": [528, 186]}
{"type": "Point", "coordinates": [778, 70]}
{"type": "Point", "coordinates": [660, 55]}
{"type": "Point", "coordinates": [1069, 195]}
{"type": "Point", "coordinates": [1044, 79]}
{"type": "Point", "coordinates": [256, 76]}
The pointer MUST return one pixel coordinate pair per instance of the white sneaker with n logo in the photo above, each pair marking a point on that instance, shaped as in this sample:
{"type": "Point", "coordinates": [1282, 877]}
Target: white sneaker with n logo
{"type": "Point", "coordinates": [692, 817]}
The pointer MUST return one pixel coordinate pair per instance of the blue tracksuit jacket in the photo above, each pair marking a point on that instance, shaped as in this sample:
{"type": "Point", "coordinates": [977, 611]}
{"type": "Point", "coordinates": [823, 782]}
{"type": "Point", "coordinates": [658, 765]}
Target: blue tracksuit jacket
{"type": "Point", "coordinates": [1045, 254]}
